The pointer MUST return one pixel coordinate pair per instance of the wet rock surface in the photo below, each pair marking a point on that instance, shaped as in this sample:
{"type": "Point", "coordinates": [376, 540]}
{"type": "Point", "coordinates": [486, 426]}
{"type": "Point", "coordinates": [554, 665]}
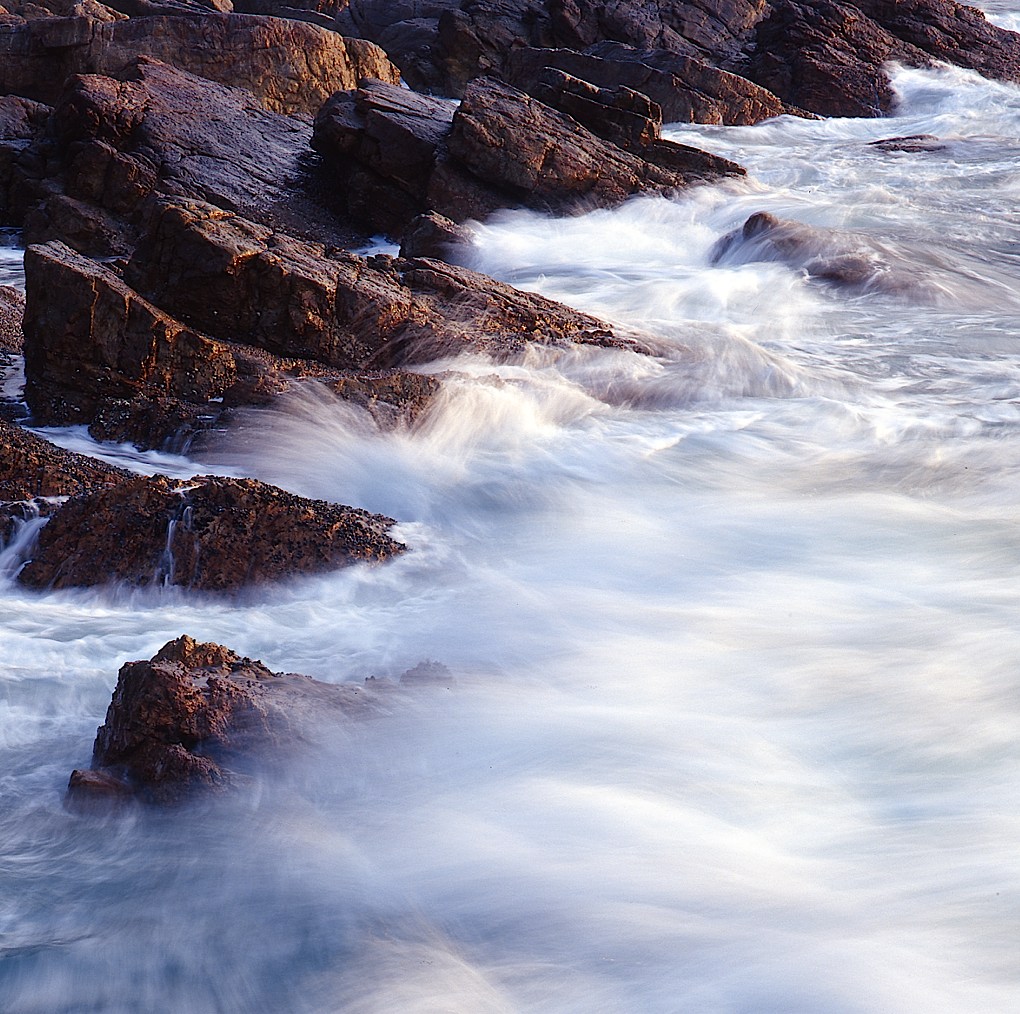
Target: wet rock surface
{"type": "Point", "coordinates": [197, 717]}
{"type": "Point", "coordinates": [826, 255]}
{"type": "Point", "coordinates": [398, 155]}
{"type": "Point", "coordinates": [12, 312]}
{"type": "Point", "coordinates": [818, 55]}
{"type": "Point", "coordinates": [209, 534]}
{"type": "Point", "coordinates": [33, 467]}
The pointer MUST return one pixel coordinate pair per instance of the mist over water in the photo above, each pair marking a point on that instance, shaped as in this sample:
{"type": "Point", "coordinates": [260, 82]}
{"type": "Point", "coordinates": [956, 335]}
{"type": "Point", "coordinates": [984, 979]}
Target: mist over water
{"type": "Point", "coordinates": [734, 630]}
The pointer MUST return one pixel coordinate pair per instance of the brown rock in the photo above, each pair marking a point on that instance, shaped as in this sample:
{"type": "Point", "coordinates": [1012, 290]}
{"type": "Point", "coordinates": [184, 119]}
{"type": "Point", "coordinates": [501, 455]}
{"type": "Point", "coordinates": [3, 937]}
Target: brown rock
{"type": "Point", "coordinates": [828, 256]}
{"type": "Point", "coordinates": [33, 467]}
{"type": "Point", "coordinates": [686, 89]}
{"type": "Point", "coordinates": [219, 271]}
{"type": "Point", "coordinates": [546, 159]}
{"type": "Point", "coordinates": [390, 396]}
{"type": "Point", "coordinates": [196, 716]}
{"type": "Point", "coordinates": [432, 235]}
{"type": "Point", "coordinates": [34, 473]}
{"type": "Point", "coordinates": [398, 155]}
{"type": "Point", "coordinates": [90, 339]}
{"type": "Point", "coordinates": [819, 55]}
{"type": "Point", "coordinates": [210, 534]}
{"type": "Point", "coordinates": [290, 66]}
{"type": "Point", "coordinates": [12, 311]}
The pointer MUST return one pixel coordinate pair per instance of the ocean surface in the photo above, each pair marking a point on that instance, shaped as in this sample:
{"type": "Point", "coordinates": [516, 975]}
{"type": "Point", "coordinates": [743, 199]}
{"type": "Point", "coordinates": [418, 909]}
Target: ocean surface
{"type": "Point", "coordinates": [735, 629]}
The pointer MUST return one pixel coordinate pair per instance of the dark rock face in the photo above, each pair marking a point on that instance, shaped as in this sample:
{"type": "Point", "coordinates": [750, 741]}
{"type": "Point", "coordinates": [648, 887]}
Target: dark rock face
{"type": "Point", "coordinates": [686, 89]}
{"type": "Point", "coordinates": [91, 341]}
{"type": "Point", "coordinates": [730, 61]}
{"type": "Point", "coordinates": [216, 270]}
{"type": "Point", "coordinates": [432, 235]}
{"type": "Point", "coordinates": [290, 66]}
{"type": "Point", "coordinates": [135, 361]}
{"type": "Point", "coordinates": [210, 533]}
{"type": "Point", "coordinates": [195, 716]}
{"type": "Point", "coordinates": [399, 156]}
{"type": "Point", "coordinates": [911, 144]}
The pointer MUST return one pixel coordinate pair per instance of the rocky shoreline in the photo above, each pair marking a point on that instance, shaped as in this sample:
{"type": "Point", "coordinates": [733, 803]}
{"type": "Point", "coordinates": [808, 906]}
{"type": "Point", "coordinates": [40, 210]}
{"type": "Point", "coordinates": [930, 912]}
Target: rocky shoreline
{"type": "Point", "coordinates": [192, 180]}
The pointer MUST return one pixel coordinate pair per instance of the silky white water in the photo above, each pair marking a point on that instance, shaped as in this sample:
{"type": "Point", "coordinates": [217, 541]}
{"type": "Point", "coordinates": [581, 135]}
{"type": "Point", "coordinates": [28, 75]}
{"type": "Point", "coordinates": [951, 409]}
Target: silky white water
{"type": "Point", "coordinates": [734, 629]}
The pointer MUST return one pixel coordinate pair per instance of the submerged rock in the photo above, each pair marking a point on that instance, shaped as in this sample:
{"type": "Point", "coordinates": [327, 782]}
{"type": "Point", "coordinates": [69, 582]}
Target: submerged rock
{"type": "Point", "coordinates": [911, 143]}
{"type": "Point", "coordinates": [197, 716]}
{"type": "Point", "coordinates": [209, 533]}
{"type": "Point", "coordinates": [828, 256]}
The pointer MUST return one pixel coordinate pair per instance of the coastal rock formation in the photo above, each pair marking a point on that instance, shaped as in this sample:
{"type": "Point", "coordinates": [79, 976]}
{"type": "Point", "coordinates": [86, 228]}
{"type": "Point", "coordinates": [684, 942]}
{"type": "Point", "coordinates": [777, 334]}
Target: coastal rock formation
{"type": "Point", "coordinates": [33, 467]}
{"type": "Point", "coordinates": [291, 67]}
{"type": "Point", "coordinates": [686, 89]}
{"type": "Point", "coordinates": [218, 311]}
{"type": "Point", "coordinates": [823, 56]}
{"type": "Point", "coordinates": [192, 716]}
{"type": "Point", "coordinates": [398, 154]}
{"type": "Point", "coordinates": [209, 534]}
{"type": "Point", "coordinates": [819, 253]}
{"type": "Point", "coordinates": [196, 716]}
{"type": "Point", "coordinates": [35, 473]}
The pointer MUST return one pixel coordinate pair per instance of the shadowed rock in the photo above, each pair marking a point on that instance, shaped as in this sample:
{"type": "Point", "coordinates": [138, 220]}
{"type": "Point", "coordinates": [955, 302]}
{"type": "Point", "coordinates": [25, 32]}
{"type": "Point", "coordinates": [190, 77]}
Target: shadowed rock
{"type": "Point", "coordinates": [196, 716]}
{"type": "Point", "coordinates": [817, 55]}
{"type": "Point", "coordinates": [12, 312]}
{"type": "Point", "coordinates": [911, 144]}
{"type": "Point", "coordinates": [209, 533]}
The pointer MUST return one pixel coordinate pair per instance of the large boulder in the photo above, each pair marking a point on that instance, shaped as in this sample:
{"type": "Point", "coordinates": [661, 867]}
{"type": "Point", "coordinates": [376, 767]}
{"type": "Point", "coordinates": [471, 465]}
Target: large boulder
{"type": "Point", "coordinates": [220, 311]}
{"type": "Point", "coordinates": [225, 275]}
{"type": "Point", "coordinates": [169, 132]}
{"type": "Point", "coordinates": [291, 67]}
{"type": "Point", "coordinates": [208, 533]}
{"type": "Point", "coordinates": [198, 718]}
{"type": "Point", "coordinates": [398, 155]}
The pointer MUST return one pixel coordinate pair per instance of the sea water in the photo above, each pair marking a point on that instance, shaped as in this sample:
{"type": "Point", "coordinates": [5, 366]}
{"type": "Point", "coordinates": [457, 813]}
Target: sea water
{"type": "Point", "coordinates": [734, 630]}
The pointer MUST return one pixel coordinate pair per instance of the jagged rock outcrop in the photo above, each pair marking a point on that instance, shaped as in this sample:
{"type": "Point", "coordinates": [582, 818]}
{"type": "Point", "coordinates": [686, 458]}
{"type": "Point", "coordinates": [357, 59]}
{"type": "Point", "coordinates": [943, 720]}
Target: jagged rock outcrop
{"type": "Point", "coordinates": [33, 472]}
{"type": "Point", "coordinates": [290, 66]}
{"type": "Point", "coordinates": [33, 467]}
{"type": "Point", "coordinates": [221, 311]}
{"type": "Point", "coordinates": [398, 155]}
{"type": "Point", "coordinates": [209, 534]}
{"type": "Point", "coordinates": [218, 271]}
{"type": "Point", "coordinates": [824, 56]}
{"type": "Point", "coordinates": [686, 89]}
{"type": "Point", "coordinates": [168, 132]}
{"type": "Point", "coordinates": [196, 717]}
